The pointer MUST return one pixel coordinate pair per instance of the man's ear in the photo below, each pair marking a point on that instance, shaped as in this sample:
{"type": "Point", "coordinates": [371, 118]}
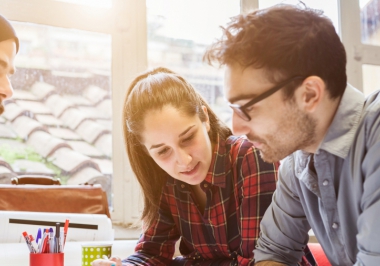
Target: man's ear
{"type": "Point", "coordinates": [207, 122]}
{"type": "Point", "coordinates": [312, 92]}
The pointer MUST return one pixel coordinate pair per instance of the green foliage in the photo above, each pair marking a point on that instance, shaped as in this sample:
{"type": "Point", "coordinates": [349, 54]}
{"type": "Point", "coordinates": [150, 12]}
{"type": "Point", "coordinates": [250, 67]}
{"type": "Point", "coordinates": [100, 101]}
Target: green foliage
{"type": "Point", "coordinates": [11, 154]}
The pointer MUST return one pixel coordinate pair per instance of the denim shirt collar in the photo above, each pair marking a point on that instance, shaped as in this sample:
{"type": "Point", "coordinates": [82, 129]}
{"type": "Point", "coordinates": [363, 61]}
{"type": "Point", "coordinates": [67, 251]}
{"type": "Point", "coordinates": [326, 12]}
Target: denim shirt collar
{"type": "Point", "coordinates": [340, 135]}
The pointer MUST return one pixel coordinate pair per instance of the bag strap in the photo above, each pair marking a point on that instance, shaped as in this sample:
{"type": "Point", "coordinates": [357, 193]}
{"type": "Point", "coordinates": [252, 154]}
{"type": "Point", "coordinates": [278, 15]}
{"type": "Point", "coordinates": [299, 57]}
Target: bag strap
{"type": "Point", "coordinates": [35, 180]}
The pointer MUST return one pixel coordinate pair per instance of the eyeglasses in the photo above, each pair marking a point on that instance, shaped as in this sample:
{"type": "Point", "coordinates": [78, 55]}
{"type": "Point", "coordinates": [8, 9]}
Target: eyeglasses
{"type": "Point", "coordinates": [240, 110]}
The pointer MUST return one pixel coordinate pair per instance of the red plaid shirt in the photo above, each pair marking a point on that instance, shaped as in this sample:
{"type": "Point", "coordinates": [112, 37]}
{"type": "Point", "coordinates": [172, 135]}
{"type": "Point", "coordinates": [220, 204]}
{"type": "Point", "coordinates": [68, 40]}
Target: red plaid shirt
{"type": "Point", "coordinates": [239, 187]}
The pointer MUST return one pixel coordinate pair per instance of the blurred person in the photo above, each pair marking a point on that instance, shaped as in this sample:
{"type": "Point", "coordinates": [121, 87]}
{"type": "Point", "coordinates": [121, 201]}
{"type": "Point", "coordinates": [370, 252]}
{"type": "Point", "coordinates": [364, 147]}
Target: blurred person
{"type": "Point", "coordinates": [200, 184]}
{"type": "Point", "coordinates": [9, 45]}
{"type": "Point", "coordinates": [286, 82]}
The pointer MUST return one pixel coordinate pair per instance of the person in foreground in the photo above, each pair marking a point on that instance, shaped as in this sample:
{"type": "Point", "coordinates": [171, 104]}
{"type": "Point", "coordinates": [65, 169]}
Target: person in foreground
{"type": "Point", "coordinates": [286, 82]}
{"type": "Point", "coordinates": [200, 183]}
{"type": "Point", "coordinates": [8, 49]}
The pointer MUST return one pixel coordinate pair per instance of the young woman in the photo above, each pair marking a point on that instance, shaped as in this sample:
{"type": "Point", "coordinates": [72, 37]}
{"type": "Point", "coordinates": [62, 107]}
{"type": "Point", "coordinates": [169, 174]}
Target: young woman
{"type": "Point", "coordinates": [201, 185]}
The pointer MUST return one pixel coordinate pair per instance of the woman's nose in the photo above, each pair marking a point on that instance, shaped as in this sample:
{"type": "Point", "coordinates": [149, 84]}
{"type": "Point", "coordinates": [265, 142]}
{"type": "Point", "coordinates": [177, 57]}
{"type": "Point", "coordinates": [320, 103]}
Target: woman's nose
{"type": "Point", "coordinates": [183, 157]}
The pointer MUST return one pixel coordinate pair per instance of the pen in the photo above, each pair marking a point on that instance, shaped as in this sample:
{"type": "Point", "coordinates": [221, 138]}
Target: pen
{"type": "Point", "coordinates": [31, 238]}
{"type": "Point", "coordinates": [28, 243]}
{"type": "Point", "coordinates": [45, 243]}
{"type": "Point", "coordinates": [51, 240]}
{"type": "Point", "coordinates": [57, 241]}
{"type": "Point", "coordinates": [65, 232]}
{"type": "Point", "coordinates": [38, 237]}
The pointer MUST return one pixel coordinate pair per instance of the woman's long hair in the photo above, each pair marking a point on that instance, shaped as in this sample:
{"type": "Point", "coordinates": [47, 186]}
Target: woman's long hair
{"type": "Point", "coordinates": [153, 90]}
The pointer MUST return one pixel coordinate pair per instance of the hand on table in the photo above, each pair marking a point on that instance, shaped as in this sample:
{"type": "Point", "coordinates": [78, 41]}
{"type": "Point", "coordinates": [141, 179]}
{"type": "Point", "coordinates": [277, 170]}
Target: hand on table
{"type": "Point", "coordinates": [113, 261]}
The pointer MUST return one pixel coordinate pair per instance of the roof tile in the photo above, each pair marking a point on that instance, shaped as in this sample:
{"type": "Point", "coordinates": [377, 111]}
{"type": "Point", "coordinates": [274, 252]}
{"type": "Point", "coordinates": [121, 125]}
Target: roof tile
{"type": "Point", "coordinates": [105, 166]}
{"type": "Point", "coordinates": [45, 144]}
{"type": "Point", "coordinates": [77, 100]}
{"type": "Point", "coordinates": [90, 131]}
{"type": "Point", "coordinates": [93, 112]}
{"type": "Point", "coordinates": [23, 95]}
{"type": "Point", "coordinates": [42, 90]}
{"type": "Point", "coordinates": [71, 161]}
{"type": "Point", "coordinates": [73, 118]}
{"type": "Point", "coordinates": [104, 144]}
{"type": "Point", "coordinates": [12, 111]}
{"type": "Point", "coordinates": [34, 107]}
{"type": "Point", "coordinates": [85, 148]}
{"type": "Point", "coordinates": [90, 176]}
{"type": "Point", "coordinates": [31, 167]}
{"type": "Point", "coordinates": [95, 94]}
{"type": "Point", "coordinates": [24, 126]}
{"type": "Point", "coordinates": [64, 133]}
{"type": "Point", "coordinates": [7, 132]}
{"type": "Point", "coordinates": [49, 120]}
{"type": "Point", "coordinates": [58, 104]}
{"type": "Point", "coordinates": [105, 106]}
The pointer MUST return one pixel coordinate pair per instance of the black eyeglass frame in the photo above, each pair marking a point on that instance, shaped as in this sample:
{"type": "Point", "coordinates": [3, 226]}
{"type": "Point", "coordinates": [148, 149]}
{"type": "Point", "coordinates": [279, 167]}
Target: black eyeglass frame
{"type": "Point", "coordinates": [240, 110]}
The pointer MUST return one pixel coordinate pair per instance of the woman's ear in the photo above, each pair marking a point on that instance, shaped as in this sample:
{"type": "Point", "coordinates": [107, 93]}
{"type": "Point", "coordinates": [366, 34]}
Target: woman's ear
{"type": "Point", "coordinates": [207, 122]}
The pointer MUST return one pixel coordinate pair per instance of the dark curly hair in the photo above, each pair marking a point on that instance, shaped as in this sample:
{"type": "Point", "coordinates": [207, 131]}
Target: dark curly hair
{"type": "Point", "coordinates": [286, 41]}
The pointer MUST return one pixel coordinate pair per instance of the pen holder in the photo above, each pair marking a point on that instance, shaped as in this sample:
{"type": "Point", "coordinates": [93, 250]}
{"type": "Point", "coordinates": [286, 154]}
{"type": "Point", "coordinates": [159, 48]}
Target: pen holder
{"type": "Point", "coordinates": [39, 259]}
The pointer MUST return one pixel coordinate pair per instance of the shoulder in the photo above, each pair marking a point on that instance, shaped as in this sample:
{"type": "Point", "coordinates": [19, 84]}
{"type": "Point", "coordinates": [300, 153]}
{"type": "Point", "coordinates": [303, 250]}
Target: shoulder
{"type": "Point", "coordinates": [238, 145]}
{"type": "Point", "coordinates": [247, 158]}
{"type": "Point", "coordinates": [370, 120]}
{"type": "Point", "coordinates": [372, 109]}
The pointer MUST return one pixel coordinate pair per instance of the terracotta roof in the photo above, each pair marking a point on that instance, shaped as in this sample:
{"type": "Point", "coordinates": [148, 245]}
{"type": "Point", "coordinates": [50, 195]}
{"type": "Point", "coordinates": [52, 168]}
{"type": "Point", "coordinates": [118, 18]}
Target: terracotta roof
{"type": "Point", "coordinates": [70, 132]}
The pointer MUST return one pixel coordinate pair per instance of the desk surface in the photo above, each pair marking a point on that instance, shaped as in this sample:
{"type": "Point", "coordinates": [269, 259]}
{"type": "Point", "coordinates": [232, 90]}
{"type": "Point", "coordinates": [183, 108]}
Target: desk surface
{"type": "Point", "coordinates": [17, 254]}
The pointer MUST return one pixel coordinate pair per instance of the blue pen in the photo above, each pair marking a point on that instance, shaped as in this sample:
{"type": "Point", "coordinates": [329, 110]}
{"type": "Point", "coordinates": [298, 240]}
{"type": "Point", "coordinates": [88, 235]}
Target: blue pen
{"type": "Point", "coordinates": [38, 237]}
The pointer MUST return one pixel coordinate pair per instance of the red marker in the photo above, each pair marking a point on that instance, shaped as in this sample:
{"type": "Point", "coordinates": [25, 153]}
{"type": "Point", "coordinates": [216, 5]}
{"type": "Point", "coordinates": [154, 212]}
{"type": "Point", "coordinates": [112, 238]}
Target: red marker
{"type": "Point", "coordinates": [28, 242]}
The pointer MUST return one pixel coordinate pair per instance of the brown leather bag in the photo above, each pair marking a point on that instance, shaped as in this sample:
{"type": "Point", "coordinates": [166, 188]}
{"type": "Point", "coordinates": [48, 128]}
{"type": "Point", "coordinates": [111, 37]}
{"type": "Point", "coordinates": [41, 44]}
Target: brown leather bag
{"type": "Point", "coordinates": [45, 194]}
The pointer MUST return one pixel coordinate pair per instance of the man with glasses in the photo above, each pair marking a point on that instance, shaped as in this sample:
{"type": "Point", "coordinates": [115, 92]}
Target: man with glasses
{"type": "Point", "coordinates": [8, 50]}
{"type": "Point", "coordinates": [286, 83]}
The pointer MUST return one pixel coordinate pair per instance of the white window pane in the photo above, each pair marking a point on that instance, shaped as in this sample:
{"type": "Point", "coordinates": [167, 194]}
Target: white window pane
{"type": "Point", "coordinates": [370, 19]}
{"type": "Point", "coordinates": [93, 3]}
{"type": "Point", "coordinates": [371, 79]}
{"type": "Point", "coordinates": [329, 7]}
{"type": "Point", "coordinates": [59, 121]}
{"type": "Point", "coordinates": [179, 33]}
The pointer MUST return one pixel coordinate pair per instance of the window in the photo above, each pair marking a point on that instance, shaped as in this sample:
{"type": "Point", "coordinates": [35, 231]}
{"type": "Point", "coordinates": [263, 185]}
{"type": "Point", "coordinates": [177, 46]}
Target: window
{"type": "Point", "coordinates": [179, 33]}
{"type": "Point", "coordinates": [60, 116]}
{"type": "Point", "coordinates": [71, 44]}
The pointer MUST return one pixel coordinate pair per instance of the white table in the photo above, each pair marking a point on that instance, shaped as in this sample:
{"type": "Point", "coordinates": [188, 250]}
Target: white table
{"type": "Point", "coordinates": [17, 254]}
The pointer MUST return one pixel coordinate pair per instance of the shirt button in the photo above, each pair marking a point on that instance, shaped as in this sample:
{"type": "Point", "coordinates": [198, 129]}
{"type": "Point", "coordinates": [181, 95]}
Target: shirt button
{"type": "Point", "coordinates": [182, 186]}
{"type": "Point", "coordinates": [216, 250]}
{"type": "Point", "coordinates": [205, 185]}
{"type": "Point", "coordinates": [335, 225]}
{"type": "Point", "coordinates": [325, 183]}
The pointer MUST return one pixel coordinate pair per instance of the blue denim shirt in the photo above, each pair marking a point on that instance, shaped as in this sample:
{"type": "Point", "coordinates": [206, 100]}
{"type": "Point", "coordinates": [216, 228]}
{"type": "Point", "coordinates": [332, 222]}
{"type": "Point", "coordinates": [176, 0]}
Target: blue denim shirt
{"type": "Point", "coordinates": [339, 198]}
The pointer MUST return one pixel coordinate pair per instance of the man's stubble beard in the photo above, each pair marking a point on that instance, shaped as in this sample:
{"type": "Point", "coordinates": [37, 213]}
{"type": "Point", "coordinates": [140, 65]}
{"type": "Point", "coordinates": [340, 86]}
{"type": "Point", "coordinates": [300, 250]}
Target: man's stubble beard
{"type": "Point", "coordinates": [295, 132]}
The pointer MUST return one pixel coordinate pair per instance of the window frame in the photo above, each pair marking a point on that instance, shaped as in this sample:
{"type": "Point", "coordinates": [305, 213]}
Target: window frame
{"type": "Point", "coordinates": [126, 23]}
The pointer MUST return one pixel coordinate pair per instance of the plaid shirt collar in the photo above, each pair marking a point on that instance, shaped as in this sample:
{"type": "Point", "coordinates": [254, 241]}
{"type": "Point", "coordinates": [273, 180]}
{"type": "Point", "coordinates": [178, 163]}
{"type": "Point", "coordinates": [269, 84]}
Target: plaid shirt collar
{"type": "Point", "coordinates": [216, 175]}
